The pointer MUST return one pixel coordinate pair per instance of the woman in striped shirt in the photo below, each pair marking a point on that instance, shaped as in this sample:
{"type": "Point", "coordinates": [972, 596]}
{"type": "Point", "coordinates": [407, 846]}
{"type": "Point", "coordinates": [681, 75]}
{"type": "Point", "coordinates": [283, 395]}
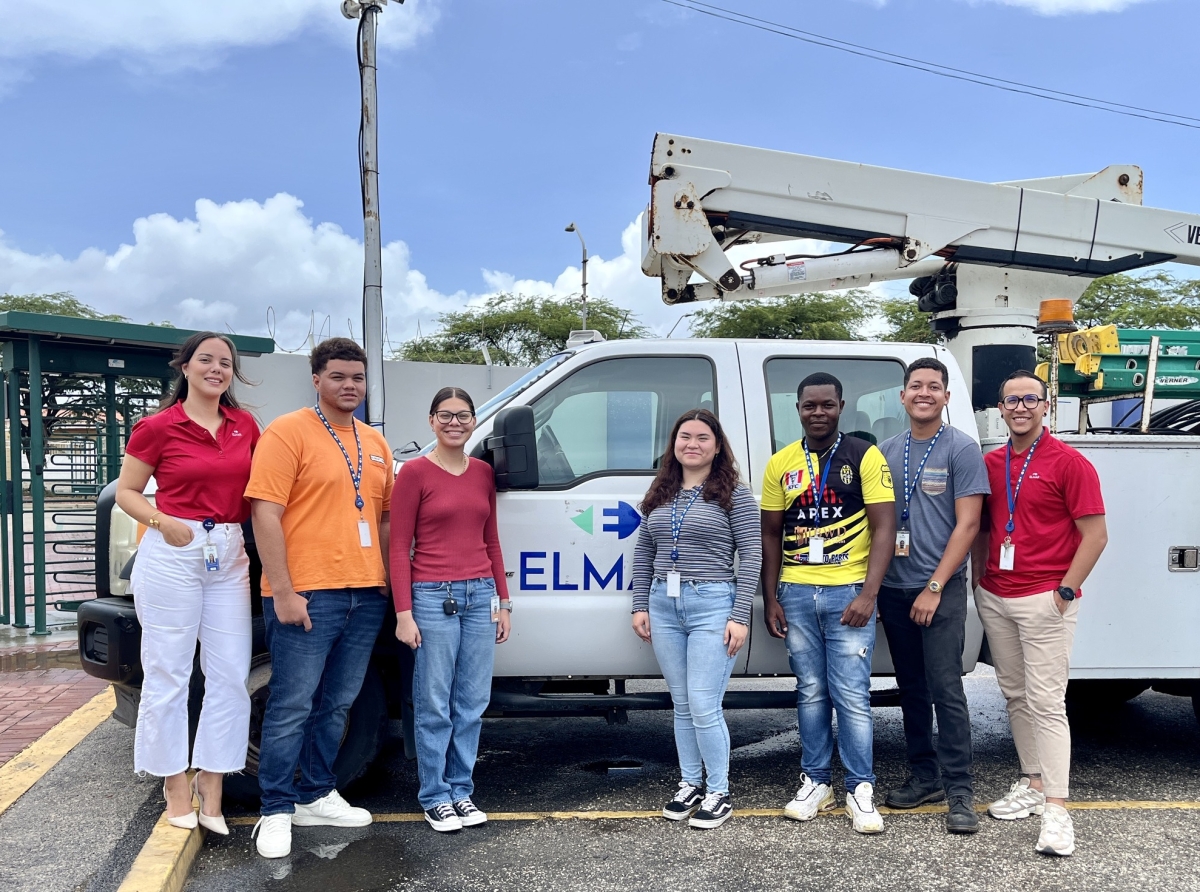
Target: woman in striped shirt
{"type": "Point", "coordinates": [697, 513]}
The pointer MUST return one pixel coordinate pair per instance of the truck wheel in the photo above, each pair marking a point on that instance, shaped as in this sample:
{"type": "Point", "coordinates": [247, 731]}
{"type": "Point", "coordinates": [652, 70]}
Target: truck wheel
{"type": "Point", "coordinates": [1196, 704]}
{"type": "Point", "coordinates": [366, 730]}
{"type": "Point", "coordinates": [1095, 694]}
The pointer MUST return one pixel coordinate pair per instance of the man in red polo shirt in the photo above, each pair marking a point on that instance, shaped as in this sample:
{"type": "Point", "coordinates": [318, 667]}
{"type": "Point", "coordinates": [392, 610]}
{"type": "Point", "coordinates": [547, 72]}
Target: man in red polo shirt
{"type": "Point", "coordinates": [1044, 531]}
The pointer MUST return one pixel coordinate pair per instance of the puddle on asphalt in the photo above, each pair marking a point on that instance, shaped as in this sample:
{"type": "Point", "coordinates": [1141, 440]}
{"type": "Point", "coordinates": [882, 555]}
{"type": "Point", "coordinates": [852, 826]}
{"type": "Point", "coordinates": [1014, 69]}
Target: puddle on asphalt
{"type": "Point", "coordinates": [46, 659]}
{"type": "Point", "coordinates": [367, 862]}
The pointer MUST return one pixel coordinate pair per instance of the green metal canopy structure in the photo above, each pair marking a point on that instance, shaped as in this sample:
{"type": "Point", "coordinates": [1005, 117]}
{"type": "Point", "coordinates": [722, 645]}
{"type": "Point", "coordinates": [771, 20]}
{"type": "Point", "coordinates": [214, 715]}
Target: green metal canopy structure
{"type": "Point", "coordinates": [82, 381]}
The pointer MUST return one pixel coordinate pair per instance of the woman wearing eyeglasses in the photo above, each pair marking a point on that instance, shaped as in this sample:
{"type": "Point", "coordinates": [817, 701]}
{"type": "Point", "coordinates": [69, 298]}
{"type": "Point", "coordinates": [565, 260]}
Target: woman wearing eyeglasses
{"type": "Point", "coordinates": [452, 605]}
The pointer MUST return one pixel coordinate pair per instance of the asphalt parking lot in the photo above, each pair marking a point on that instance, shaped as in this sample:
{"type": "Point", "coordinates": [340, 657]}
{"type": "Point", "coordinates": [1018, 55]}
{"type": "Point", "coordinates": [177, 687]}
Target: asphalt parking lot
{"type": "Point", "coordinates": [80, 828]}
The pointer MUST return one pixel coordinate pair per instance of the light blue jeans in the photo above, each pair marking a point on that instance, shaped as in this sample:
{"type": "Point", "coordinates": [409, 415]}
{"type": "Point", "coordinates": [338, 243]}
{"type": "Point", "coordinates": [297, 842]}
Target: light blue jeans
{"type": "Point", "coordinates": [832, 663]}
{"type": "Point", "coordinates": [688, 636]}
{"type": "Point", "coordinates": [452, 684]}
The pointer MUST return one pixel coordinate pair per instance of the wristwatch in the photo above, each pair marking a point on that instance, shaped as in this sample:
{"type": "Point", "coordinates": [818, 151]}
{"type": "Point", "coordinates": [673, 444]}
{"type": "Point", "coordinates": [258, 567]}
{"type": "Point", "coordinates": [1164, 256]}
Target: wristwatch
{"type": "Point", "coordinates": [935, 586]}
{"type": "Point", "coordinates": [506, 605]}
{"type": "Point", "coordinates": [1066, 593]}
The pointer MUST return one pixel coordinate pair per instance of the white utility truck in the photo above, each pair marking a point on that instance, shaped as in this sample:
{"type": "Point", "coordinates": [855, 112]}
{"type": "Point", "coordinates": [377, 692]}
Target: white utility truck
{"type": "Point", "coordinates": [576, 442]}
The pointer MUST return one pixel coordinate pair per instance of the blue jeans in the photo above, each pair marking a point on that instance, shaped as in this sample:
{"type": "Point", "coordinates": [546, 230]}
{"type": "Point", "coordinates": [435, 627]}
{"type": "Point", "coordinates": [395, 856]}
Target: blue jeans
{"type": "Point", "coordinates": [452, 684]}
{"type": "Point", "coordinates": [688, 636]}
{"type": "Point", "coordinates": [315, 677]}
{"type": "Point", "coordinates": [832, 663]}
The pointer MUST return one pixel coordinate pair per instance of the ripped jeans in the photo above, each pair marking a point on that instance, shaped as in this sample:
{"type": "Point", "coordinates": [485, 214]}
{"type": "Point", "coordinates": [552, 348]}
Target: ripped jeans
{"type": "Point", "coordinates": [832, 663]}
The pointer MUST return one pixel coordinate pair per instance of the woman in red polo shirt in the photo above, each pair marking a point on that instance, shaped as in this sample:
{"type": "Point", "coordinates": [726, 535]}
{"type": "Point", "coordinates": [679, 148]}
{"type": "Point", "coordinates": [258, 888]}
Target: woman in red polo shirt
{"type": "Point", "coordinates": [191, 578]}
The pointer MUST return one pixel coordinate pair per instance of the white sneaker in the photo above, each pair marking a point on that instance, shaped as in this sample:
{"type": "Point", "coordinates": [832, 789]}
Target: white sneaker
{"type": "Point", "coordinates": [809, 800]}
{"type": "Point", "coordinates": [274, 835]}
{"type": "Point", "coordinates": [1058, 833]}
{"type": "Point", "coordinates": [331, 810]}
{"type": "Point", "coordinates": [1020, 801]}
{"type": "Point", "coordinates": [861, 805]}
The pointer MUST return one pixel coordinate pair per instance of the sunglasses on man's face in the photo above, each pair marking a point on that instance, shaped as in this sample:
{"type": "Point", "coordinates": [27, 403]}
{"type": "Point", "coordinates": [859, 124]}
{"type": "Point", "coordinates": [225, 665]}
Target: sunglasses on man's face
{"type": "Point", "coordinates": [463, 417]}
{"type": "Point", "coordinates": [1030, 401]}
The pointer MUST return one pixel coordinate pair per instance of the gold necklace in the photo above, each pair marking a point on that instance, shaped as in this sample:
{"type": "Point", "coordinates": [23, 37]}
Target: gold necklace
{"type": "Point", "coordinates": [437, 458]}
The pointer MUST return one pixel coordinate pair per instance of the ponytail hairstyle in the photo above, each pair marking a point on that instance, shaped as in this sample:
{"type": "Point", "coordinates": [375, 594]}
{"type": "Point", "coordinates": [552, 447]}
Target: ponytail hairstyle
{"type": "Point", "coordinates": [722, 479]}
{"type": "Point", "coordinates": [184, 355]}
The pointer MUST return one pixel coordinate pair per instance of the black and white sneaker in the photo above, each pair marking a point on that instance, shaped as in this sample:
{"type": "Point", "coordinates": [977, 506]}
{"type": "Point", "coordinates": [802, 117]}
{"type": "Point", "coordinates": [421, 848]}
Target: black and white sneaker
{"type": "Point", "coordinates": [686, 801]}
{"type": "Point", "coordinates": [468, 813]}
{"type": "Point", "coordinates": [714, 811]}
{"type": "Point", "coordinates": [443, 818]}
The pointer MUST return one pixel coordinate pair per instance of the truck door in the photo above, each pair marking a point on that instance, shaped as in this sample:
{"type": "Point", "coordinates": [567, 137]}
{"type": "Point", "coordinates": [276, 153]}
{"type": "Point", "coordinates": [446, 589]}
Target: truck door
{"type": "Point", "coordinates": [568, 546]}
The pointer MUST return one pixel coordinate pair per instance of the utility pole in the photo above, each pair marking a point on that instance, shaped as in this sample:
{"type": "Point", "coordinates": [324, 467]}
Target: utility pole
{"type": "Point", "coordinates": [583, 301]}
{"type": "Point", "coordinates": [367, 13]}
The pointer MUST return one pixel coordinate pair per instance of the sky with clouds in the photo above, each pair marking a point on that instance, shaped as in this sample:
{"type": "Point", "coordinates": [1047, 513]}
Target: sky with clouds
{"type": "Point", "coordinates": [197, 162]}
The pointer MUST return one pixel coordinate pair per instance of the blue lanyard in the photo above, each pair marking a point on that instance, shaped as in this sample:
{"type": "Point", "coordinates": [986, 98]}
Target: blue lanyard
{"type": "Point", "coordinates": [909, 490]}
{"type": "Point", "coordinates": [677, 521]}
{"type": "Point", "coordinates": [1008, 487]}
{"type": "Point", "coordinates": [355, 476]}
{"type": "Point", "coordinates": [819, 489]}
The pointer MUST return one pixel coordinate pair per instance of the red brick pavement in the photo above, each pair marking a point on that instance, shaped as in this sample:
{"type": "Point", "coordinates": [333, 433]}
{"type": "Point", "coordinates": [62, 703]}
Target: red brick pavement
{"type": "Point", "coordinates": [34, 700]}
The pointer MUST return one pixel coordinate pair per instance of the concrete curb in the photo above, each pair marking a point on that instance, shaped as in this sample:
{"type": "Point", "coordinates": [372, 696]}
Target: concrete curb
{"type": "Point", "coordinates": [165, 860]}
{"type": "Point", "coordinates": [31, 764]}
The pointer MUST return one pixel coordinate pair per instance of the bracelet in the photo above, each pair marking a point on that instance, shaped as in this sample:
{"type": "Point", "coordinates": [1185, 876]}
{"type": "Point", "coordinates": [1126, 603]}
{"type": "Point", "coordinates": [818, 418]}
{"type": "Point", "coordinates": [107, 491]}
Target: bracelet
{"type": "Point", "coordinates": [154, 523]}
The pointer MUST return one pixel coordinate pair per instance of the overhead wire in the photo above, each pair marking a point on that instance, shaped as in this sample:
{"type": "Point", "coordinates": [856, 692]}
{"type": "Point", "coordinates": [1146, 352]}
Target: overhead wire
{"type": "Point", "coordinates": [936, 68]}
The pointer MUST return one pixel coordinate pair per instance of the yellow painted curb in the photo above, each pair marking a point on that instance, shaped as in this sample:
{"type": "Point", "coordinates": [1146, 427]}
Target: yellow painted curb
{"type": "Point", "coordinates": [27, 767]}
{"type": "Point", "coordinates": [406, 817]}
{"type": "Point", "coordinates": [164, 861]}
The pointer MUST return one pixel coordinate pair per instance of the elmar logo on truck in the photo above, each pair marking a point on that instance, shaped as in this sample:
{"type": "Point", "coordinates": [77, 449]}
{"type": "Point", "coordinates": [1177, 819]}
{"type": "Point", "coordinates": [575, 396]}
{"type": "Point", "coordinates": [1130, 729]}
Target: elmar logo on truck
{"type": "Point", "coordinates": [623, 520]}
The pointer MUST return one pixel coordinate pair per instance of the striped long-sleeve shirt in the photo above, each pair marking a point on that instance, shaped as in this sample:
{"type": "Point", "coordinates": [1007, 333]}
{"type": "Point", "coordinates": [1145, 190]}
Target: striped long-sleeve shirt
{"type": "Point", "coordinates": [707, 543]}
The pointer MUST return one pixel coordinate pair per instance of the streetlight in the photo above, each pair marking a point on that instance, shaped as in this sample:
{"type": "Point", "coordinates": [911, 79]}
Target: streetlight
{"type": "Point", "coordinates": [583, 301]}
{"type": "Point", "coordinates": [677, 321]}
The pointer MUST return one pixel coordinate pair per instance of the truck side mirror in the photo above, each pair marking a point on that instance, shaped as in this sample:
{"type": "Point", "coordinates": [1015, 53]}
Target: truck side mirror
{"type": "Point", "coordinates": [511, 450]}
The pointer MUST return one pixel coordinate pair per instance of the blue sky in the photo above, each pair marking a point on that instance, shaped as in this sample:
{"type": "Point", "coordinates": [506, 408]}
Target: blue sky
{"type": "Point", "coordinates": [198, 164]}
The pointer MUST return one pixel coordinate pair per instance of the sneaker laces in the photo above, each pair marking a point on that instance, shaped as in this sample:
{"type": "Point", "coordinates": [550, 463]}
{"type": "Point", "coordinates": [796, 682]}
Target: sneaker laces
{"type": "Point", "coordinates": [711, 801]}
{"type": "Point", "coordinates": [467, 807]}
{"type": "Point", "coordinates": [685, 792]}
{"type": "Point", "coordinates": [444, 811]}
{"type": "Point", "coordinates": [864, 797]}
{"type": "Point", "coordinates": [1017, 790]}
{"type": "Point", "coordinates": [806, 787]}
{"type": "Point", "coordinates": [267, 821]}
{"type": "Point", "coordinates": [1054, 821]}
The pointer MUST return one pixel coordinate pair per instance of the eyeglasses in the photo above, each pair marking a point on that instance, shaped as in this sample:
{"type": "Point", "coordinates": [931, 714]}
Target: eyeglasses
{"type": "Point", "coordinates": [1030, 400]}
{"type": "Point", "coordinates": [464, 417]}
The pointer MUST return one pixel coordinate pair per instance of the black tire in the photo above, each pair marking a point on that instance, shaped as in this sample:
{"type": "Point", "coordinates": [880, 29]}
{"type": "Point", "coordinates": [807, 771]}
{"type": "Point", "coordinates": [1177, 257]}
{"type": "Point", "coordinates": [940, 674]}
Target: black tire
{"type": "Point", "coordinates": [1096, 694]}
{"type": "Point", "coordinates": [366, 729]}
{"type": "Point", "coordinates": [1196, 704]}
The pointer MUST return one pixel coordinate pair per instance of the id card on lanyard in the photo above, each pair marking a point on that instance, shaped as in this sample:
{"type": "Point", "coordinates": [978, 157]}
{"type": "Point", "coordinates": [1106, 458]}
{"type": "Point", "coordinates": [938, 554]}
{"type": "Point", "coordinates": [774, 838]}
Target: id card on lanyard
{"type": "Point", "coordinates": [1008, 551]}
{"type": "Point", "coordinates": [903, 536]}
{"type": "Point", "coordinates": [674, 580]}
{"type": "Point", "coordinates": [364, 527]}
{"type": "Point", "coordinates": [816, 544]}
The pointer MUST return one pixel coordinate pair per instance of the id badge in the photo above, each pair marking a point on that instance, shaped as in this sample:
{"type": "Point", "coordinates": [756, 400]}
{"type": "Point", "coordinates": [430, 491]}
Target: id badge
{"type": "Point", "coordinates": [673, 582]}
{"type": "Point", "coordinates": [903, 539]}
{"type": "Point", "coordinates": [210, 558]}
{"type": "Point", "coordinates": [495, 608]}
{"type": "Point", "coordinates": [364, 534]}
{"type": "Point", "coordinates": [816, 550]}
{"type": "Point", "coordinates": [1008, 553]}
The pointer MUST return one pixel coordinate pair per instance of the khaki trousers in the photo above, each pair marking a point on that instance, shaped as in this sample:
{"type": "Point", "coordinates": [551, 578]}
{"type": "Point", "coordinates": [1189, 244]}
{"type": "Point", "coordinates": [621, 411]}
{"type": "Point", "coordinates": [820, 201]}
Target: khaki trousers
{"type": "Point", "coordinates": [1030, 643]}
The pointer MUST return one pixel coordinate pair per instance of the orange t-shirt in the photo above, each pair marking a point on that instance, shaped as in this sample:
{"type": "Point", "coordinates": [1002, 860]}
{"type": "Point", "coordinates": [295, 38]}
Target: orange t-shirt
{"type": "Point", "coordinates": [298, 465]}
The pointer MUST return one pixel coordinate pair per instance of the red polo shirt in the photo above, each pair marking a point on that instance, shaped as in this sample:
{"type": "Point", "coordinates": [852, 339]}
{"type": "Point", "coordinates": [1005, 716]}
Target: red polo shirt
{"type": "Point", "coordinates": [1060, 487]}
{"type": "Point", "coordinates": [198, 476]}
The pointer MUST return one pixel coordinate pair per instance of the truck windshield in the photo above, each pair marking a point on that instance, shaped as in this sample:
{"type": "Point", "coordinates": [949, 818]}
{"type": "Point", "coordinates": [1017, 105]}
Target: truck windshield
{"type": "Point", "coordinates": [496, 403]}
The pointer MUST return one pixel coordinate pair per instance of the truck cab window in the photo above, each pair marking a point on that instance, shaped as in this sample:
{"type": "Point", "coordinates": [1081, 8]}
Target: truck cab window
{"type": "Point", "coordinates": [871, 389]}
{"type": "Point", "coordinates": [614, 416]}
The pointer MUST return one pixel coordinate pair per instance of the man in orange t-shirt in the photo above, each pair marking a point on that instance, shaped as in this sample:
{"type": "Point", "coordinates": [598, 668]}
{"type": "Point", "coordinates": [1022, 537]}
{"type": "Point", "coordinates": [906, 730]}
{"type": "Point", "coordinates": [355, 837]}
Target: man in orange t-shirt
{"type": "Point", "coordinates": [320, 492]}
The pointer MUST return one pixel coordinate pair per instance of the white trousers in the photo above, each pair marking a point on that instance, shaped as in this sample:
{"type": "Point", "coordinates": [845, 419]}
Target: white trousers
{"type": "Point", "coordinates": [178, 602]}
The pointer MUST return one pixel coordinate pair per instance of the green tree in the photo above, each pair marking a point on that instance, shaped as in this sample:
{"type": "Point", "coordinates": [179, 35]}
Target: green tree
{"type": "Point", "coordinates": [835, 316]}
{"type": "Point", "coordinates": [517, 330]}
{"type": "Point", "coordinates": [1150, 300]}
{"type": "Point", "coordinates": [906, 323]}
{"type": "Point", "coordinates": [60, 303]}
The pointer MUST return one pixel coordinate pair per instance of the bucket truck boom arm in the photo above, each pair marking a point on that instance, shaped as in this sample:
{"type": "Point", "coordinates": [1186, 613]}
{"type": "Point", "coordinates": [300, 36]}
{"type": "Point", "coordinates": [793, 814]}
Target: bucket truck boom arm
{"type": "Point", "coordinates": [709, 196]}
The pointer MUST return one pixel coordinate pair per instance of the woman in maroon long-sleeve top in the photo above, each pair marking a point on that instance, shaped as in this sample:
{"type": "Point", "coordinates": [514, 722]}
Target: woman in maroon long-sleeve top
{"type": "Point", "coordinates": [452, 605]}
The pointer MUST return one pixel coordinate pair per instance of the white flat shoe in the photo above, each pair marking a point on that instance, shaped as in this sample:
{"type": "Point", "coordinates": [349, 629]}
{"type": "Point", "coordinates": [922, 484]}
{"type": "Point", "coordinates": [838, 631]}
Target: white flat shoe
{"type": "Point", "coordinates": [183, 822]}
{"type": "Point", "coordinates": [208, 822]}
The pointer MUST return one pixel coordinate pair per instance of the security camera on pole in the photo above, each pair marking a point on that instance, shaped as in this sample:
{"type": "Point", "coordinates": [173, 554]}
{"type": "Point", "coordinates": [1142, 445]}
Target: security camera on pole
{"type": "Point", "coordinates": [583, 299]}
{"type": "Point", "coordinates": [367, 11]}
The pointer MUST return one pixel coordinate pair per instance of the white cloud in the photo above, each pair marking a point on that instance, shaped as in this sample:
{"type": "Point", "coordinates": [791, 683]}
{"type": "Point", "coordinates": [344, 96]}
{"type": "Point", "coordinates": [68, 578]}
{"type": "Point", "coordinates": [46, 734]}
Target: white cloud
{"type": "Point", "coordinates": [1066, 7]}
{"type": "Point", "coordinates": [186, 32]}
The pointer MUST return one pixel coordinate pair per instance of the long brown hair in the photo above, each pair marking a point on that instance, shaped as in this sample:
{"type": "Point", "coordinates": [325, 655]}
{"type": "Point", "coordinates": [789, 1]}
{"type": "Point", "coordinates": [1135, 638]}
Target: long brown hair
{"type": "Point", "coordinates": [184, 355]}
{"type": "Point", "coordinates": [722, 479]}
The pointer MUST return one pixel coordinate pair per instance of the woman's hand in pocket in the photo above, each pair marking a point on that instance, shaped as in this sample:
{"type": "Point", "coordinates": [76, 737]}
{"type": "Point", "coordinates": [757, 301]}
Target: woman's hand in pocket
{"type": "Point", "coordinates": [735, 637]}
{"type": "Point", "coordinates": [641, 625]}
{"type": "Point", "coordinates": [406, 629]}
{"type": "Point", "coordinates": [175, 533]}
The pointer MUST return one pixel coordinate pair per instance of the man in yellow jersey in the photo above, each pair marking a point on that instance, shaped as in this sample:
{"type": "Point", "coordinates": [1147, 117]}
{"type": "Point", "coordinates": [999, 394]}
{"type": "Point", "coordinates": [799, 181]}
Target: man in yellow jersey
{"type": "Point", "coordinates": [828, 531]}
